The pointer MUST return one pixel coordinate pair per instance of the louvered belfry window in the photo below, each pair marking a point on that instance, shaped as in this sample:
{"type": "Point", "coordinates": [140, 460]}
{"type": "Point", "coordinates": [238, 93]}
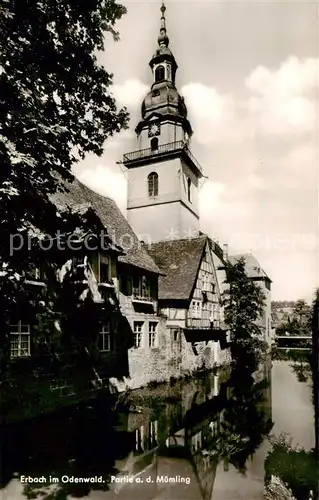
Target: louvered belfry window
{"type": "Point", "coordinates": [159, 74]}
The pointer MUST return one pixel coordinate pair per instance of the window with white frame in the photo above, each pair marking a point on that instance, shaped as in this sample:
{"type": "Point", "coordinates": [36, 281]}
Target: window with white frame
{"type": "Point", "coordinates": [152, 331]}
{"type": "Point", "coordinates": [196, 309]}
{"type": "Point", "coordinates": [20, 340]}
{"type": "Point", "coordinates": [152, 181]}
{"type": "Point", "coordinates": [105, 338]}
{"type": "Point", "coordinates": [104, 268]}
{"type": "Point", "coordinates": [138, 333]}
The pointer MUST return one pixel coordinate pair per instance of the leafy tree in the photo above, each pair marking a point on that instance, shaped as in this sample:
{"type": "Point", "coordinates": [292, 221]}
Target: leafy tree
{"type": "Point", "coordinates": [299, 322]}
{"type": "Point", "coordinates": [55, 107]}
{"type": "Point", "coordinates": [301, 319]}
{"type": "Point", "coordinates": [243, 305]}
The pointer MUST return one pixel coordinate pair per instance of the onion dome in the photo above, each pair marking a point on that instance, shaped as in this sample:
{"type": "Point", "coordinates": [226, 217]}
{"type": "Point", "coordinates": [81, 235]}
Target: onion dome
{"type": "Point", "coordinates": [163, 99]}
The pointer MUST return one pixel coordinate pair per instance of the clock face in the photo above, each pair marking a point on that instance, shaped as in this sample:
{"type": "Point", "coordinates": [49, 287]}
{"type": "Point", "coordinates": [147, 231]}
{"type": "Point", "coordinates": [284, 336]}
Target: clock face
{"type": "Point", "coordinates": [154, 129]}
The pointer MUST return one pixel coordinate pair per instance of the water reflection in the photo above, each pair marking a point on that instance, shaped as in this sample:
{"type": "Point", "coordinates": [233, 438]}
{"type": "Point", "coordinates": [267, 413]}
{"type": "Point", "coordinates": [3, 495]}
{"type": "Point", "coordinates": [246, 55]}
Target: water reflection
{"type": "Point", "coordinates": [167, 440]}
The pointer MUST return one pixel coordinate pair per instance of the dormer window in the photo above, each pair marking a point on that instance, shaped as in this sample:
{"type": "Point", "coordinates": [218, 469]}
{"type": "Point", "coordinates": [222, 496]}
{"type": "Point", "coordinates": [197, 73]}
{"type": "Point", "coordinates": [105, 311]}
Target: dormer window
{"type": "Point", "coordinates": [159, 74]}
{"type": "Point", "coordinates": [152, 180]}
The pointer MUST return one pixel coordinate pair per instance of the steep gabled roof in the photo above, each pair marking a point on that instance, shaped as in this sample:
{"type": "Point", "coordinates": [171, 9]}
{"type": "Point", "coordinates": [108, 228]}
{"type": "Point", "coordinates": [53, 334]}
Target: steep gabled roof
{"type": "Point", "coordinates": [113, 220]}
{"type": "Point", "coordinates": [179, 260]}
{"type": "Point", "coordinates": [252, 266]}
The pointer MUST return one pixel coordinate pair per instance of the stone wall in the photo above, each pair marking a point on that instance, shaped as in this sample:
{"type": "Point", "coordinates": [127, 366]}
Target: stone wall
{"type": "Point", "coordinates": [172, 357]}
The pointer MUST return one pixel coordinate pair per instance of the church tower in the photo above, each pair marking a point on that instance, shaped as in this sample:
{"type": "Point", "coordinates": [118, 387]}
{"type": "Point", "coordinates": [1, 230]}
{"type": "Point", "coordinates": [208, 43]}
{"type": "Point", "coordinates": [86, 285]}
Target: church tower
{"type": "Point", "coordinates": [163, 175]}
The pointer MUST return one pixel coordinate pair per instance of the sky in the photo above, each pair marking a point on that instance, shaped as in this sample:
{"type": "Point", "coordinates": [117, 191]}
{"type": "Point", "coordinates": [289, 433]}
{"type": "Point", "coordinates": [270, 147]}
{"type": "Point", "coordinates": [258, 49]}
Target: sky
{"type": "Point", "coordinates": [249, 75]}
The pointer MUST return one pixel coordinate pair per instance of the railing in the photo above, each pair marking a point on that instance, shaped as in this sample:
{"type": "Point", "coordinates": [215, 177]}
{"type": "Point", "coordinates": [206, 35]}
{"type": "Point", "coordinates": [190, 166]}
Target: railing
{"type": "Point", "coordinates": [161, 149]}
{"type": "Point", "coordinates": [202, 323]}
{"type": "Point", "coordinates": [142, 298]}
{"type": "Point", "coordinates": [292, 341]}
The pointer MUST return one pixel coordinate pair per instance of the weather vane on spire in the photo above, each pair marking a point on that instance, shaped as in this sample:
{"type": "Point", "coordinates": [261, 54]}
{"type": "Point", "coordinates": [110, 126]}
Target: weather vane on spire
{"type": "Point", "coordinates": [163, 38]}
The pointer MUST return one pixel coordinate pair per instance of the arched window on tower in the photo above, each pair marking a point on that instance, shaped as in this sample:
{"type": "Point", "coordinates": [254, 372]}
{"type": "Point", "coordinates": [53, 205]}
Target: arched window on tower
{"type": "Point", "coordinates": [189, 184]}
{"type": "Point", "coordinates": [159, 74]}
{"type": "Point", "coordinates": [152, 181]}
{"type": "Point", "coordinates": [154, 144]}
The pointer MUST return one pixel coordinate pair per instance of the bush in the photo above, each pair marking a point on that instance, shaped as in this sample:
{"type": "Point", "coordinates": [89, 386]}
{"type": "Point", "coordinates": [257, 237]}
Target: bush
{"type": "Point", "coordinates": [296, 467]}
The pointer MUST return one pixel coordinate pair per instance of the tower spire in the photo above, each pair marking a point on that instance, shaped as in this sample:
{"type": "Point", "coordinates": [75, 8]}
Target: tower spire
{"type": "Point", "coordinates": [163, 38]}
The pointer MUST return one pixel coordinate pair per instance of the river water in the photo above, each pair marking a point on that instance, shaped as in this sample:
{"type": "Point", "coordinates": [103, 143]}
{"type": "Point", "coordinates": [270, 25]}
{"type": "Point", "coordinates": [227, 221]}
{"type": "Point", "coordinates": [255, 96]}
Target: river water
{"type": "Point", "coordinates": [162, 442]}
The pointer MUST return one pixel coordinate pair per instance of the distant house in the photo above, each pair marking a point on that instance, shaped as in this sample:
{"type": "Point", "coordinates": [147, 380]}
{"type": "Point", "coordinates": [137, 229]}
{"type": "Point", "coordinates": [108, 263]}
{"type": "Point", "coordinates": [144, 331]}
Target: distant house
{"type": "Point", "coordinates": [282, 312]}
{"type": "Point", "coordinates": [255, 272]}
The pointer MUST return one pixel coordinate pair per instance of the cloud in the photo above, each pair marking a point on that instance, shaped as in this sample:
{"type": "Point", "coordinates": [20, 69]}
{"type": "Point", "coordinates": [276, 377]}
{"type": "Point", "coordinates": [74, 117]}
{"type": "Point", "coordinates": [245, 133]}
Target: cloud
{"type": "Point", "coordinates": [294, 77]}
{"type": "Point", "coordinates": [211, 113]}
{"type": "Point", "coordinates": [130, 93]}
{"type": "Point", "coordinates": [106, 182]}
{"type": "Point", "coordinates": [280, 101]}
{"type": "Point", "coordinates": [210, 196]}
{"type": "Point", "coordinates": [284, 100]}
{"type": "Point", "coordinates": [120, 141]}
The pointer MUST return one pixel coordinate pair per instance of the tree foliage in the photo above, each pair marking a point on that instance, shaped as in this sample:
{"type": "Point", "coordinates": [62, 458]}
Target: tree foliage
{"type": "Point", "coordinates": [55, 104]}
{"type": "Point", "coordinates": [293, 465]}
{"type": "Point", "coordinates": [55, 107]}
{"type": "Point", "coordinates": [243, 305]}
{"type": "Point", "coordinates": [299, 322]}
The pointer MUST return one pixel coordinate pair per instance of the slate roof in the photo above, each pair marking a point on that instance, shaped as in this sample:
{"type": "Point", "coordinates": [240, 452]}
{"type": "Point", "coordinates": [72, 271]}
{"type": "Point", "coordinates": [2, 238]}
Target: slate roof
{"type": "Point", "coordinates": [252, 266]}
{"type": "Point", "coordinates": [179, 260]}
{"type": "Point", "coordinates": [116, 225]}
